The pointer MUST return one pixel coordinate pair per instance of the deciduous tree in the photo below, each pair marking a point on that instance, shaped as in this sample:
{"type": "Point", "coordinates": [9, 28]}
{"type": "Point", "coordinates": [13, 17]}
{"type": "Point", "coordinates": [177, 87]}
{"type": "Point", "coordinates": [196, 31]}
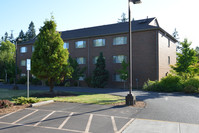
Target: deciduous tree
{"type": "Point", "coordinates": [50, 59]}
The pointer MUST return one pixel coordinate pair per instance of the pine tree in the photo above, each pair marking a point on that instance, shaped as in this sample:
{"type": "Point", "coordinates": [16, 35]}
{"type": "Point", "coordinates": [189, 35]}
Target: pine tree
{"type": "Point", "coordinates": [21, 36]}
{"type": "Point", "coordinates": [30, 34]}
{"type": "Point", "coordinates": [6, 36]}
{"type": "Point", "coordinates": [50, 59]}
{"type": "Point", "coordinates": [123, 18]}
{"type": "Point", "coordinates": [100, 74]}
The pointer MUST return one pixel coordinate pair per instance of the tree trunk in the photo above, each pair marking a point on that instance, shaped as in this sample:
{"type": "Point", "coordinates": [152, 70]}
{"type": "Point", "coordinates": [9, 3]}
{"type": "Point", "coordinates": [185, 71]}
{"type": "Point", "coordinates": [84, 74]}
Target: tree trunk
{"type": "Point", "coordinates": [51, 84]}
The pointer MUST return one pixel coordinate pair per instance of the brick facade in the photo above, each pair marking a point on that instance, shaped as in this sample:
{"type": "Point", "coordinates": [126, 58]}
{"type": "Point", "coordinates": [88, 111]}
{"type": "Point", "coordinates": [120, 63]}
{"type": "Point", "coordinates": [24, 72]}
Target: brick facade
{"type": "Point", "coordinates": [150, 54]}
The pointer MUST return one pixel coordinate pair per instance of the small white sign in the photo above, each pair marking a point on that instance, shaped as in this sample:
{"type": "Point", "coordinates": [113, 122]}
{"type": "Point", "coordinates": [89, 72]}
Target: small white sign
{"type": "Point", "coordinates": [28, 64]}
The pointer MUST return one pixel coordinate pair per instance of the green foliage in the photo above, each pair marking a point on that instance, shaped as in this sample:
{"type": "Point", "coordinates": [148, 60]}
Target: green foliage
{"type": "Point", "coordinates": [100, 74]}
{"type": "Point", "coordinates": [24, 100]}
{"type": "Point", "coordinates": [22, 80]}
{"type": "Point", "coordinates": [192, 85]}
{"type": "Point", "coordinates": [169, 83]}
{"type": "Point", "coordinates": [197, 52]}
{"type": "Point", "coordinates": [124, 72]}
{"type": "Point", "coordinates": [88, 81]}
{"type": "Point", "coordinates": [77, 71]}
{"type": "Point", "coordinates": [5, 104]}
{"type": "Point", "coordinates": [30, 34]}
{"type": "Point", "coordinates": [186, 61]}
{"type": "Point", "coordinates": [123, 18]}
{"type": "Point", "coordinates": [50, 59]}
{"type": "Point", "coordinates": [7, 60]}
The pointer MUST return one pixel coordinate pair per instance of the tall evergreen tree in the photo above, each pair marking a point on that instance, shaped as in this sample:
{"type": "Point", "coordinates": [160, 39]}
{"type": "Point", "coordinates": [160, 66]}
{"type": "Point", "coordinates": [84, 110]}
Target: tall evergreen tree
{"type": "Point", "coordinates": [50, 59]}
{"type": "Point", "coordinates": [123, 18]}
{"type": "Point", "coordinates": [6, 36]}
{"type": "Point", "coordinates": [22, 36]}
{"type": "Point", "coordinates": [30, 34]}
{"type": "Point", "coordinates": [176, 36]}
{"type": "Point", "coordinates": [100, 74]}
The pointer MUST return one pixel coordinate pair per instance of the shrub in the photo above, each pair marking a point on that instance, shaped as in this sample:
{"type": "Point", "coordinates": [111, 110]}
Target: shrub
{"type": "Point", "coordinates": [191, 85]}
{"type": "Point", "coordinates": [35, 81]}
{"type": "Point", "coordinates": [5, 103]}
{"type": "Point", "coordinates": [24, 100]}
{"type": "Point", "coordinates": [22, 80]}
{"type": "Point", "coordinates": [171, 83]}
{"type": "Point", "coordinates": [88, 81]}
{"type": "Point", "coordinates": [151, 85]}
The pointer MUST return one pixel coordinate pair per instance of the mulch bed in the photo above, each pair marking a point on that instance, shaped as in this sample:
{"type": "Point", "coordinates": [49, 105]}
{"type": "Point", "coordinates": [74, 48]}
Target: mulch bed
{"type": "Point", "coordinates": [138, 104]}
{"type": "Point", "coordinates": [13, 108]}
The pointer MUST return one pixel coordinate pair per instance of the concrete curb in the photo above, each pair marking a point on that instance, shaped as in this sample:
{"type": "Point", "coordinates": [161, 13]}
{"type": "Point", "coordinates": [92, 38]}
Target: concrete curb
{"type": "Point", "coordinates": [42, 103]}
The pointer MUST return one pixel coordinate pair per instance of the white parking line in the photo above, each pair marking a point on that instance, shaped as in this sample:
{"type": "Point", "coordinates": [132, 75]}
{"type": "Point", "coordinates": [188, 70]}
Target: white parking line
{"type": "Point", "coordinates": [66, 120]}
{"type": "Point", "coordinates": [44, 118]}
{"type": "Point", "coordinates": [114, 124]}
{"type": "Point", "coordinates": [10, 114]}
{"type": "Point", "coordinates": [89, 123]}
{"type": "Point", "coordinates": [126, 125]}
{"type": "Point", "coordinates": [24, 117]}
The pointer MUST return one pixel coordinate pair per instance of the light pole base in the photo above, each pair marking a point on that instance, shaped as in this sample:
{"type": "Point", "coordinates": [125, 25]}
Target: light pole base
{"type": "Point", "coordinates": [130, 99]}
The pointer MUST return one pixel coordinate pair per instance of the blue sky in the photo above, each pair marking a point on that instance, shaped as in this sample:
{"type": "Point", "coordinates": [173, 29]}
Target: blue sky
{"type": "Point", "coordinates": [73, 14]}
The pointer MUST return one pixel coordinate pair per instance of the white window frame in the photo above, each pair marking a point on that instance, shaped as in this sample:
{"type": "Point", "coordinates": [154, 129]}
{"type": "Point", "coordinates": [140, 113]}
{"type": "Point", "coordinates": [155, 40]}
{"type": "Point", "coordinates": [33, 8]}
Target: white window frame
{"type": "Point", "coordinates": [66, 45]}
{"type": "Point", "coordinates": [78, 45]}
{"type": "Point", "coordinates": [99, 42]}
{"type": "Point", "coordinates": [121, 40]}
{"type": "Point", "coordinates": [23, 62]}
{"type": "Point", "coordinates": [33, 48]}
{"type": "Point", "coordinates": [81, 62]}
{"type": "Point", "coordinates": [116, 59]}
{"type": "Point", "coordinates": [23, 75]}
{"type": "Point", "coordinates": [23, 49]}
{"type": "Point", "coordinates": [116, 78]}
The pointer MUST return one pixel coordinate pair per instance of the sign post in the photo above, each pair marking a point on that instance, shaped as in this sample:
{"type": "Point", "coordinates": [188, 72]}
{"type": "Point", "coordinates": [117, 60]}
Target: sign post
{"type": "Point", "coordinates": [28, 69]}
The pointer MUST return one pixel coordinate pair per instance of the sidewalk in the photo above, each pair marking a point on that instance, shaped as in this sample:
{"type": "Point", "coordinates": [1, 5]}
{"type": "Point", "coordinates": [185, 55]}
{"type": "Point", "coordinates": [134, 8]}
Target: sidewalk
{"type": "Point", "coordinates": [155, 126]}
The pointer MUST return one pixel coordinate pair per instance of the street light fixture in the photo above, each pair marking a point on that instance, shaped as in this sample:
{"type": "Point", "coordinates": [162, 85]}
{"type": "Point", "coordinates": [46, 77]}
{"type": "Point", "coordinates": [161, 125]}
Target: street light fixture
{"type": "Point", "coordinates": [15, 81]}
{"type": "Point", "coordinates": [130, 99]}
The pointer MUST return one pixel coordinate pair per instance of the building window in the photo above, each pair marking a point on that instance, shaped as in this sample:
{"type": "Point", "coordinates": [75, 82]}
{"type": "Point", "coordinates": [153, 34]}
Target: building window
{"type": "Point", "coordinates": [23, 62]}
{"type": "Point", "coordinates": [33, 48]}
{"type": "Point", "coordinates": [99, 42]}
{"type": "Point", "coordinates": [80, 44]}
{"type": "Point", "coordinates": [169, 60]}
{"type": "Point", "coordinates": [23, 74]}
{"type": "Point", "coordinates": [119, 59]}
{"type": "Point", "coordinates": [82, 78]}
{"type": "Point", "coordinates": [23, 50]}
{"type": "Point", "coordinates": [95, 59]}
{"type": "Point", "coordinates": [81, 60]}
{"type": "Point", "coordinates": [169, 42]}
{"type": "Point", "coordinates": [66, 45]}
{"type": "Point", "coordinates": [116, 77]}
{"type": "Point", "coordinates": [119, 40]}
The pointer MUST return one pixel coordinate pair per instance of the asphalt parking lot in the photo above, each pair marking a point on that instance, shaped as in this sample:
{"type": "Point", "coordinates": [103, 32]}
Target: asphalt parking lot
{"type": "Point", "coordinates": [69, 118]}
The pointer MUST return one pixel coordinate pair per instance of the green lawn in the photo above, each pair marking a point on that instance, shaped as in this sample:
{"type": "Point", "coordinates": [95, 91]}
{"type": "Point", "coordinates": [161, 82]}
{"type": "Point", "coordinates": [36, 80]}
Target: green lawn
{"type": "Point", "coordinates": [89, 98]}
{"type": "Point", "coordinates": [81, 98]}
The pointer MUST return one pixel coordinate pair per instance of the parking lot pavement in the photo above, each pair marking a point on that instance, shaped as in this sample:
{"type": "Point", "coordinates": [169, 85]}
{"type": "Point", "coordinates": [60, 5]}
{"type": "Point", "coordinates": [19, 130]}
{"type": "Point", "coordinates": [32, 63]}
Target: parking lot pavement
{"type": "Point", "coordinates": [67, 117]}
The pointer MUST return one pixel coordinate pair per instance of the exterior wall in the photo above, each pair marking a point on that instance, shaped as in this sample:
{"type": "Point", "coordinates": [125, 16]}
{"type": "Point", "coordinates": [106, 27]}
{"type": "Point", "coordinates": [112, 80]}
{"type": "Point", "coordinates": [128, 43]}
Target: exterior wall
{"type": "Point", "coordinates": [164, 52]}
{"type": "Point", "coordinates": [23, 56]}
{"type": "Point", "coordinates": [145, 56]}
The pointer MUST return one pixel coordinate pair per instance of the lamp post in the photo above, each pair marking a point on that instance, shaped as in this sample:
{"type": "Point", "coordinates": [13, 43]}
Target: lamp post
{"type": "Point", "coordinates": [15, 81]}
{"type": "Point", "coordinates": [130, 99]}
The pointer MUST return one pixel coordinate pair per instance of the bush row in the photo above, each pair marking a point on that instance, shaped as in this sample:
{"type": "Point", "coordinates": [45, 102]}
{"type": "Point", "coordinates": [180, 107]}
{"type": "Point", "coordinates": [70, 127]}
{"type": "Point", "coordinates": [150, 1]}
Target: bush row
{"type": "Point", "coordinates": [5, 104]}
{"type": "Point", "coordinates": [173, 83]}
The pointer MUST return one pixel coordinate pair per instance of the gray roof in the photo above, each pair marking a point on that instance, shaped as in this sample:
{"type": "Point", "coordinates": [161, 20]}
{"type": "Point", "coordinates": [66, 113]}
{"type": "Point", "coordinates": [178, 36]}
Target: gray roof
{"type": "Point", "coordinates": [117, 28]}
{"type": "Point", "coordinates": [107, 29]}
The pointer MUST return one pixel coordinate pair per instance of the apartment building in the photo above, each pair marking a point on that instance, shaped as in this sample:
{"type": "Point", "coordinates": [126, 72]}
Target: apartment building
{"type": "Point", "coordinates": [154, 50]}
